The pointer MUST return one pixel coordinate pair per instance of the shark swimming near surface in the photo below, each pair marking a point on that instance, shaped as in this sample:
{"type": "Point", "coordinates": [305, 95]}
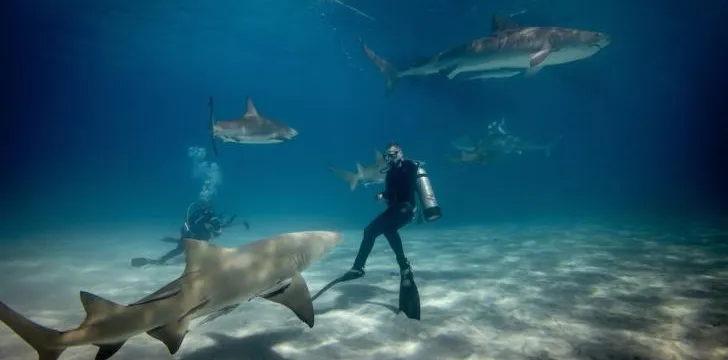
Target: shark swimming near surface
{"type": "Point", "coordinates": [511, 49]}
{"type": "Point", "coordinates": [366, 175]}
{"type": "Point", "coordinates": [215, 280]}
{"type": "Point", "coordinates": [251, 128]}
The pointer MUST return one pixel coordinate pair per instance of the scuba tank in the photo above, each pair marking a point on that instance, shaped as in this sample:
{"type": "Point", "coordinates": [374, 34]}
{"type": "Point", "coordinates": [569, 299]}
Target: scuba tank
{"type": "Point", "coordinates": [430, 208]}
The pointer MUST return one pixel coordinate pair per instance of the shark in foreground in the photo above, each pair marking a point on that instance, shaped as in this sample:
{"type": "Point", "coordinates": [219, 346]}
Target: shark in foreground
{"type": "Point", "coordinates": [366, 175]}
{"type": "Point", "coordinates": [214, 281]}
{"type": "Point", "coordinates": [511, 49]}
{"type": "Point", "coordinates": [251, 128]}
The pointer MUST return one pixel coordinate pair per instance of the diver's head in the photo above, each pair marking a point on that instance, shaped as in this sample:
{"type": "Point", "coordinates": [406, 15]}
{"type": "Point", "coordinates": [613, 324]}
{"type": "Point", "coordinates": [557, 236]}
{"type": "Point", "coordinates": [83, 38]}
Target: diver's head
{"type": "Point", "coordinates": [393, 154]}
{"type": "Point", "coordinates": [204, 207]}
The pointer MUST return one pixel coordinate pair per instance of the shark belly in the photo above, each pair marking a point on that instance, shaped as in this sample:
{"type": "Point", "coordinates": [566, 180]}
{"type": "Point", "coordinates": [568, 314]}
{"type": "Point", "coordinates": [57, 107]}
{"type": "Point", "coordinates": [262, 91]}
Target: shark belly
{"type": "Point", "coordinates": [257, 140]}
{"type": "Point", "coordinates": [494, 74]}
{"type": "Point", "coordinates": [425, 70]}
{"type": "Point", "coordinates": [228, 289]}
{"type": "Point", "coordinates": [568, 55]}
{"type": "Point", "coordinates": [247, 139]}
{"type": "Point", "coordinates": [493, 62]}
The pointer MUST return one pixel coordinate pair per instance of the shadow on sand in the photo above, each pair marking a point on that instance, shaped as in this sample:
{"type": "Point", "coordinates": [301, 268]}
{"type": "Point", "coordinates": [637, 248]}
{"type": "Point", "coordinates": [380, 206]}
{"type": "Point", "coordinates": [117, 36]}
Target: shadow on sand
{"type": "Point", "coordinates": [354, 294]}
{"type": "Point", "coordinates": [254, 347]}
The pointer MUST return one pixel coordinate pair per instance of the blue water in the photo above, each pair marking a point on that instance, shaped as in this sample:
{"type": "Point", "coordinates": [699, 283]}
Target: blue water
{"type": "Point", "coordinates": [104, 99]}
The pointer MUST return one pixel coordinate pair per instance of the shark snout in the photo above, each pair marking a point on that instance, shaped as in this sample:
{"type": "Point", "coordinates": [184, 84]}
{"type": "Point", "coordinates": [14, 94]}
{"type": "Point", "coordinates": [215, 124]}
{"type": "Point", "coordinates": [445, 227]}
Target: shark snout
{"type": "Point", "coordinates": [602, 41]}
{"type": "Point", "coordinates": [289, 134]}
{"type": "Point", "coordinates": [292, 133]}
{"type": "Point", "coordinates": [321, 243]}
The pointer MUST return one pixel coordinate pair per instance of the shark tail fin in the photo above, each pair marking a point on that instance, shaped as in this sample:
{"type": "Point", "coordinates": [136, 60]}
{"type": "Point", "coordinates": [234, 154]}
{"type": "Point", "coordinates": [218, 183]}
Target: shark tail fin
{"type": "Point", "coordinates": [354, 180]}
{"type": "Point", "coordinates": [386, 68]}
{"type": "Point", "coordinates": [211, 117]}
{"type": "Point", "coordinates": [44, 340]}
{"type": "Point", "coordinates": [350, 177]}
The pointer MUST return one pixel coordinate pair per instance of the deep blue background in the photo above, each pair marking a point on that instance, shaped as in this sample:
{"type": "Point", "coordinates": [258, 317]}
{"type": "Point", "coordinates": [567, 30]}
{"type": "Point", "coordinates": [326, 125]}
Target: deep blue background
{"type": "Point", "coordinates": [102, 99]}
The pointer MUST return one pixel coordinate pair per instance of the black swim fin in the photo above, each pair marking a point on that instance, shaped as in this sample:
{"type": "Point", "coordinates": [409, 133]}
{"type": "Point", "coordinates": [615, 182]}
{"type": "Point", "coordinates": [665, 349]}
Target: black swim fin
{"type": "Point", "coordinates": [139, 262]}
{"type": "Point", "coordinates": [409, 296]}
{"type": "Point", "coordinates": [350, 275]}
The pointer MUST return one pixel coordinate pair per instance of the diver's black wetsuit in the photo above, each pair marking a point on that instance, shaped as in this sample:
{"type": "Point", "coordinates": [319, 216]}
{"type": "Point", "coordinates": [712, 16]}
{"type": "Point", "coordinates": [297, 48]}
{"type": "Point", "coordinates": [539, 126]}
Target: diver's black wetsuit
{"type": "Point", "coordinates": [203, 227]}
{"type": "Point", "coordinates": [399, 192]}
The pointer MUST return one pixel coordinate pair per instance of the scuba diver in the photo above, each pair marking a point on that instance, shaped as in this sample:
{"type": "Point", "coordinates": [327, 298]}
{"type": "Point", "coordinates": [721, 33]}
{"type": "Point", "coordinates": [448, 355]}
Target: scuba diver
{"type": "Point", "coordinates": [404, 178]}
{"type": "Point", "coordinates": [201, 224]}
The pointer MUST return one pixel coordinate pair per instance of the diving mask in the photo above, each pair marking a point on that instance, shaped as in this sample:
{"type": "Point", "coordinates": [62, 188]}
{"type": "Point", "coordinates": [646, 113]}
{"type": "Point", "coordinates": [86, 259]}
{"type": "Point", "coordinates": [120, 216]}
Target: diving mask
{"type": "Point", "coordinates": [393, 155]}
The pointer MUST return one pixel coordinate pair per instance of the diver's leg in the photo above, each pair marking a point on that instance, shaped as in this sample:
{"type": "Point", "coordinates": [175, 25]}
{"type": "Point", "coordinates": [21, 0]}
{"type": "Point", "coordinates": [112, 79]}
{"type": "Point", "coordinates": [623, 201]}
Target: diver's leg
{"type": "Point", "coordinates": [395, 241]}
{"type": "Point", "coordinates": [409, 296]}
{"type": "Point", "coordinates": [371, 232]}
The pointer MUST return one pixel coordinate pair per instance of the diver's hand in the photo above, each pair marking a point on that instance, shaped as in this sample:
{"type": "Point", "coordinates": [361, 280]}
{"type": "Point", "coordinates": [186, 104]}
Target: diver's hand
{"type": "Point", "coordinates": [230, 221]}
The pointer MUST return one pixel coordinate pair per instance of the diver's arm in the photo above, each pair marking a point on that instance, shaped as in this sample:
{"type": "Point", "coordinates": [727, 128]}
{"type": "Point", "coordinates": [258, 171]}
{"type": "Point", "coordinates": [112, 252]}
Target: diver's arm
{"type": "Point", "coordinates": [229, 221]}
{"type": "Point", "coordinates": [384, 195]}
{"type": "Point", "coordinates": [215, 227]}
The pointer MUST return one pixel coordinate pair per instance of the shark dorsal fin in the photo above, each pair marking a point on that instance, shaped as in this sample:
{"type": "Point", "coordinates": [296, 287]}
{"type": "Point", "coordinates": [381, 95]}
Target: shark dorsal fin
{"type": "Point", "coordinates": [359, 169]}
{"type": "Point", "coordinates": [296, 297]}
{"type": "Point", "coordinates": [250, 109]}
{"type": "Point", "coordinates": [499, 23]}
{"type": "Point", "coordinates": [198, 253]}
{"type": "Point", "coordinates": [97, 307]}
{"type": "Point", "coordinates": [378, 158]}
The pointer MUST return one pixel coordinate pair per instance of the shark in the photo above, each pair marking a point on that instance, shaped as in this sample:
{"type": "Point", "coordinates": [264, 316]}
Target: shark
{"type": "Point", "coordinates": [510, 144]}
{"type": "Point", "coordinates": [214, 281]}
{"type": "Point", "coordinates": [251, 128]}
{"type": "Point", "coordinates": [366, 175]}
{"type": "Point", "coordinates": [498, 141]}
{"type": "Point", "coordinates": [511, 49]}
{"type": "Point", "coordinates": [492, 146]}
{"type": "Point", "coordinates": [478, 157]}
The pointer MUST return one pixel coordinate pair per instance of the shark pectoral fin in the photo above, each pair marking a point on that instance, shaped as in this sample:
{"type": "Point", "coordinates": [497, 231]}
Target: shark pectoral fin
{"type": "Point", "coordinates": [108, 350]}
{"type": "Point", "coordinates": [97, 307]}
{"type": "Point", "coordinates": [171, 335]}
{"type": "Point", "coordinates": [449, 72]}
{"type": "Point", "coordinates": [536, 60]}
{"type": "Point", "coordinates": [224, 311]}
{"type": "Point", "coordinates": [174, 333]}
{"type": "Point", "coordinates": [296, 297]}
{"type": "Point", "coordinates": [539, 56]}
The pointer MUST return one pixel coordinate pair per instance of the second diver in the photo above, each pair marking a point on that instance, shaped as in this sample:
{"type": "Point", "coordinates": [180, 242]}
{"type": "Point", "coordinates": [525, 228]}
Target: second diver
{"type": "Point", "coordinates": [202, 223]}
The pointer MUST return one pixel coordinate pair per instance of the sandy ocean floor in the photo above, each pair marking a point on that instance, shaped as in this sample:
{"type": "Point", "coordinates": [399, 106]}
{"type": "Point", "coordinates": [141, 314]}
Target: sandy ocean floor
{"type": "Point", "coordinates": [511, 292]}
